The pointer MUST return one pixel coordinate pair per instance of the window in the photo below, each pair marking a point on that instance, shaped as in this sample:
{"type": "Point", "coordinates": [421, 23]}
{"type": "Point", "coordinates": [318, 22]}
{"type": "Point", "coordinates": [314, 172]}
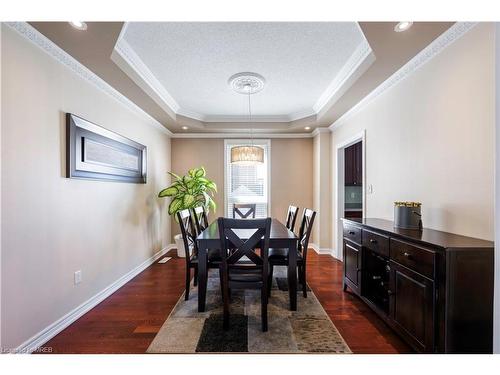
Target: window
{"type": "Point", "coordinates": [247, 183]}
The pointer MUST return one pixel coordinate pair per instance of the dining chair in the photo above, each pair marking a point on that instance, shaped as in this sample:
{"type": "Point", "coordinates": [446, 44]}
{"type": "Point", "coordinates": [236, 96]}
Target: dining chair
{"type": "Point", "coordinates": [200, 218]}
{"type": "Point", "coordinates": [249, 210]}
{"type": "Point", "coordinates": [244, 267]}
{"type": "Point", "coordinates": [279, 257]}
{"type": "Point", "coordinates": [189, 234]}
{"type": "Point", "coordinates": [291, 217]}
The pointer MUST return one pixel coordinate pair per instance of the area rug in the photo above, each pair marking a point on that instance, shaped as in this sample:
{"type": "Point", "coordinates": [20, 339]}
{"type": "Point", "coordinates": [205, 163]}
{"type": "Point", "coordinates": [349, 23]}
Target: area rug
{"type": "Point", "coordinates": [307, 330]}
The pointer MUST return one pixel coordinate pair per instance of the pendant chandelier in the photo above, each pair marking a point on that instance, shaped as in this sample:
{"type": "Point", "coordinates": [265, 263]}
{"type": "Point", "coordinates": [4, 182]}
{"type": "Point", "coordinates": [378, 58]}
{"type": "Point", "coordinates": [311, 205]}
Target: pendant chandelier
{"type": "Point", "coordinates": [248, 84]}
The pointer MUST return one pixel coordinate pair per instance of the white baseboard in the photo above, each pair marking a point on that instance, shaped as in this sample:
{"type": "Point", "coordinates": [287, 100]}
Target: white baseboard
{"type": "Point", "coordinates": [321, 250]}
{"type": "Point", "coordinates": [49, 332]}
{"type": "Point", "coordinates": [170, 247]}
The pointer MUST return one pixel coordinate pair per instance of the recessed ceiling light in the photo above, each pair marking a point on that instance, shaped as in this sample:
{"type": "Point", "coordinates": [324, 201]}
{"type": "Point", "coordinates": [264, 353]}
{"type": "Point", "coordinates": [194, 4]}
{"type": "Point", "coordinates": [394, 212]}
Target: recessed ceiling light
{"type": "Point", "coordinates": [402, 26]}
{"type": "Point", "coordinates": [307, 128]}
{"type": "Point", "coordinates": [185, 128]}
{"type": "Point", "coordinates": [79, 25]}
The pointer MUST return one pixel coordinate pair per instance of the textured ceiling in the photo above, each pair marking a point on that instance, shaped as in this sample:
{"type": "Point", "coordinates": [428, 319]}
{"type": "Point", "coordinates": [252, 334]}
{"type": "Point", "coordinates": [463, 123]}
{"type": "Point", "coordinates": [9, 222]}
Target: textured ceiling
{"type": "Point", "coordinates": [193, 61]}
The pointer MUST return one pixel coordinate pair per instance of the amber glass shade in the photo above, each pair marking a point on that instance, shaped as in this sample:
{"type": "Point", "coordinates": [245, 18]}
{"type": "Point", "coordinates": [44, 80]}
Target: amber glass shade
{"type": "Point", "coordinates": [247, 154]}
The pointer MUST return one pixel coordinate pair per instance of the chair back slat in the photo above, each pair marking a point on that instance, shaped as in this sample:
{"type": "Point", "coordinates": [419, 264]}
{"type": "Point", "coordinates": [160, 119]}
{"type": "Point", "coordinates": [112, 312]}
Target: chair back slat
{"type": "Point", "coordinates": [291, 217]}
{"type": "Point", "coordinates": [200, 218]}
{"type": "Point", "coordinates": [244, 211]}
{"type": "Point", "coordinates": [305, 231]}
{"type": "Point", "coordinates": [239, 247]}
{"type": "Point", "coordinates": [188, 232]}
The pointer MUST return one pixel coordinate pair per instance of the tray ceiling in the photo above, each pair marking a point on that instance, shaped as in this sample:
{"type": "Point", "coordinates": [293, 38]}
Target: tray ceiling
{"type": "Point", "coordinates": [185, 66]}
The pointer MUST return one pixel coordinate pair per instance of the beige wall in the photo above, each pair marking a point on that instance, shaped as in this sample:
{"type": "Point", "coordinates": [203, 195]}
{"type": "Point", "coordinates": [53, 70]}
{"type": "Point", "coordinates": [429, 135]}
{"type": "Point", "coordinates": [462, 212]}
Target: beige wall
{"type": "Point", "coordinates": [322, 191]}
{"type": "Point", "coordinates": [430, 138]}
{"type": "Point", "coordinates": [291, 176]}
{"type": "Point", "coordinates": [191, 153]}
{"type": "Point", "coordinates": [291, 170]}
{"type": "Point", "coordinates": [53, 226]}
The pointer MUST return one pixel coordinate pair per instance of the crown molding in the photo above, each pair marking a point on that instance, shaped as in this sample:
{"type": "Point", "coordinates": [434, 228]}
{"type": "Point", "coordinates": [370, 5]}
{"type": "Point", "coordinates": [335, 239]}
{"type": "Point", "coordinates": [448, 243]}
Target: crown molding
{"type": "Point", "coordinates": [357, 64]}
{"type": "Point", "coordinates": [58, 54]}
{"type": "Point", "coordinates": [255, 118]}
{"type": "Point", "coordinates": [317, 131]}
{"type": "Point", "coordinates": [301, 115]}
{"type": "Point", "coordinates": [141, 74]}
{"type": "Point", "coordinates": [454, 33]}
{"type": "Point", "coordinates": [242, 135]}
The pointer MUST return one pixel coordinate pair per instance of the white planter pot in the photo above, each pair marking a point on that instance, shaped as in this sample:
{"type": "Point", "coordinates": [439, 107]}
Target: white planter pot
{"type": "Point", "coordinates": [179, 243]}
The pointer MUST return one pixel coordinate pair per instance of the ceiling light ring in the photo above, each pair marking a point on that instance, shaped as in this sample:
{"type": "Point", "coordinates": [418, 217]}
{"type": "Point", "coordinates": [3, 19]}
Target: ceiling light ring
{"type": "Point", "coordinates": [246, 83]}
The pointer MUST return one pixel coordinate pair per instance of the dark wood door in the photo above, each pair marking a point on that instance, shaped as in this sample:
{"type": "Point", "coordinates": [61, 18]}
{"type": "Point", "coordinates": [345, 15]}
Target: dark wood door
{"type": "Point", "coordinates": [353, 165]}
{"type": "Point", "coordinates": [350, 160]}
{"type": "Point", "coordinates": [412, 306]}
{"type": "Point", "coordinates": [352, 265]}
{"type": "Point", "coordinates": [358, 164]}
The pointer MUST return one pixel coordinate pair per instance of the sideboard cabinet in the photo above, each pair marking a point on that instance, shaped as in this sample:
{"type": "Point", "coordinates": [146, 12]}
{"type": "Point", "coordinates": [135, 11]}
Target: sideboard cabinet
{"type": "Point", "coordinates": [435, 289]}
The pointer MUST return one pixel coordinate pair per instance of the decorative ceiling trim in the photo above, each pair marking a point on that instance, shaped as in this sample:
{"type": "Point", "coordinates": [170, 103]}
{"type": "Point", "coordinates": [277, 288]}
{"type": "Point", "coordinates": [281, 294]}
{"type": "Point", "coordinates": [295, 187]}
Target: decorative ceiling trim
{"type": "Point", "coordinates": [128, 60]}
{"type": "Point", "coordinates": [255, 118]}
{"type": "Point", "coordinates": [54, 51]}
{"type": "Point", "coordinates": [454, 33]}
{"type": "Point", "coordinates": [301, 114]}
{"type": "Point", "coordinates": [242, 135]}
{"type": "Point", "coordinates": [317, 131]}
{"type": "Point", "coordinates": [362, 57]}
{"type": "Point", "coordinates": [143, 76]}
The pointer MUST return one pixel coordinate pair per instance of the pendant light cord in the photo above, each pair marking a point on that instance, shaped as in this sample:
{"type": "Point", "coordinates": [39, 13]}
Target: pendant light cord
{"type": "Point", "coordinates": [250, 117]}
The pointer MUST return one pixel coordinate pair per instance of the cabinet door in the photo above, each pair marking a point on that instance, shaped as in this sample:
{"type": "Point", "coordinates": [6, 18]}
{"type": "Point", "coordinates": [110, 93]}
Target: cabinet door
{"type": "Point", "coordinates": [349, 161]}
{"type": "Point", "coordinates": [352, 265]}
{"type": "Point", "coordinates": [412, 306]}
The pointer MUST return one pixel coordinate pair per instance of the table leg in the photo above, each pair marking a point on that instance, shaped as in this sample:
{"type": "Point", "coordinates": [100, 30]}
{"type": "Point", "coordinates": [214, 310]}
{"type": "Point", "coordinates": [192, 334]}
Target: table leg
{"type": "Point", "coordinates": [202, 277]}
{"type": "Point", "coordinates": [292, 275]}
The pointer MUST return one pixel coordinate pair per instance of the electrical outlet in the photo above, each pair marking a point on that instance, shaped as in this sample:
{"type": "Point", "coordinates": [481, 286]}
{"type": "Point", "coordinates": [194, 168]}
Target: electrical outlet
{"type": "Point", "coordinates": [78, 277]}
{"type": "Point", "coordinates": [370, 189]}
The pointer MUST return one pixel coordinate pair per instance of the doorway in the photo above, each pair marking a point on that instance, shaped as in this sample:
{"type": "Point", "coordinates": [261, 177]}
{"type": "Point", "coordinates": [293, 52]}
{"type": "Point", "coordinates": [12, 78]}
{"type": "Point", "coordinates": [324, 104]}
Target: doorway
{"type": "Point", "coordinates": [350, 184]}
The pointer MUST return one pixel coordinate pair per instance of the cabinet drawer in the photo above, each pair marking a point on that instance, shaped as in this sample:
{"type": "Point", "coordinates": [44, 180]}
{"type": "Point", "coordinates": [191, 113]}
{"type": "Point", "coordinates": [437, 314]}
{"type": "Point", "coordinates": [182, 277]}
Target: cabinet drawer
{"type": "Point", "coordinates": [352, 233]}
{"type": "Point", "coordinates": [376, 242]}
{"type": "Point", "coordinates": [414, 257]}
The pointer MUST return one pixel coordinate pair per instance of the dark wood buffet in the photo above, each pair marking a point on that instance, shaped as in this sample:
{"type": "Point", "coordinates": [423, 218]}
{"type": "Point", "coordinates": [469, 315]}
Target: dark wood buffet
{"type": "Point", "coordinates": [435, 289]}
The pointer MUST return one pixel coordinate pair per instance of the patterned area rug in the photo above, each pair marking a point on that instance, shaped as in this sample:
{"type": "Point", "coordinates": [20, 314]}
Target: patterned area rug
{"type": "Point", "coordinates": [307, 330]}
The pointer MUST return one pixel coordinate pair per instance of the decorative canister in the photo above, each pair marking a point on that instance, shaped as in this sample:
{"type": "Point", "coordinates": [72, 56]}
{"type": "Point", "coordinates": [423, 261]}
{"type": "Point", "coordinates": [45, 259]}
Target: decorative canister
{"type": "Point", "coordinates": [407, 215]}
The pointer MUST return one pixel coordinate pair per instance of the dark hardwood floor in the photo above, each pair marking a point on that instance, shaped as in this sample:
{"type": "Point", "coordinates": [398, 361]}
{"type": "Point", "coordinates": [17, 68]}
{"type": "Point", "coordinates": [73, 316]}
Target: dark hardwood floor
{"type": "Point", "coordinates": [128, 320]}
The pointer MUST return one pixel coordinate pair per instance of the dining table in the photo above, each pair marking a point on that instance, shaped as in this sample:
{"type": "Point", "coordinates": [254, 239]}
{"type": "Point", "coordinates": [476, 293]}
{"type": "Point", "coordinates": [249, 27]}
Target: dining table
{"type": "Point", "coordinates": [280, 237]}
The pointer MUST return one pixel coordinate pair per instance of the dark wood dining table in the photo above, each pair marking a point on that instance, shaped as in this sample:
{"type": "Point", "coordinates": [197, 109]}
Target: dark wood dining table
{"type": "Point", "coordinates": [280, 237]}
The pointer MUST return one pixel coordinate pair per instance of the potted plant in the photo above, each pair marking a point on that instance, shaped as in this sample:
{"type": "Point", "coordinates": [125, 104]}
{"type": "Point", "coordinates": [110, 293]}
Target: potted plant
{"type": "Point", "coordinates": [189, 191]}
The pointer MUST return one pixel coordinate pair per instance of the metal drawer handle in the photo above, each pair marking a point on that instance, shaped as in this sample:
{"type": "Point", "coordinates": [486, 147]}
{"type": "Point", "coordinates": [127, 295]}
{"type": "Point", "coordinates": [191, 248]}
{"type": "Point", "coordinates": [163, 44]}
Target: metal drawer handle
{"type": "Point", "coordinates": [373, 241]}
{"type": "Point", "coordinates": [408, 255]}
{"type": "Point", "coordinates": [352, 233]}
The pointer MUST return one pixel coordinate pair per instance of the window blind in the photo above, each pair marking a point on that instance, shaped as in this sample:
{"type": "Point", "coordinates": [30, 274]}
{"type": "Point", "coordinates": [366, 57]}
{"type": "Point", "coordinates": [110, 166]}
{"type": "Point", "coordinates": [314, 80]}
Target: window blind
{"type": "Point", "coordinates": [247, 183]}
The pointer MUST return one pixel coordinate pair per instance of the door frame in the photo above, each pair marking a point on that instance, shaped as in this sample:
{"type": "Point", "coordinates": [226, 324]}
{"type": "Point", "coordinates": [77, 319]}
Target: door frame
{"type": "Point", "coordinates": [340, 188]}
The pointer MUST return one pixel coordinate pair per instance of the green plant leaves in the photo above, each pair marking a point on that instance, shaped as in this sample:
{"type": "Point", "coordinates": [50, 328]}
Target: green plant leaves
{"type": "Point", "coordinates": [189, 191]}
{"type": "Point", "coordinates": [168, 192]}
{"type": "Point", "coordinates": [200, 172]}
{"type": "Point", "coordinates": [212, 186]}
{"type": "Point", "coordinates": [212, 205]}
{"type": "Point", "coordinates": [187, 200]}
{"type": "Point", "coordinates": [175, 206]}
{"type": "Point", "coordinates": [175, 176]}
